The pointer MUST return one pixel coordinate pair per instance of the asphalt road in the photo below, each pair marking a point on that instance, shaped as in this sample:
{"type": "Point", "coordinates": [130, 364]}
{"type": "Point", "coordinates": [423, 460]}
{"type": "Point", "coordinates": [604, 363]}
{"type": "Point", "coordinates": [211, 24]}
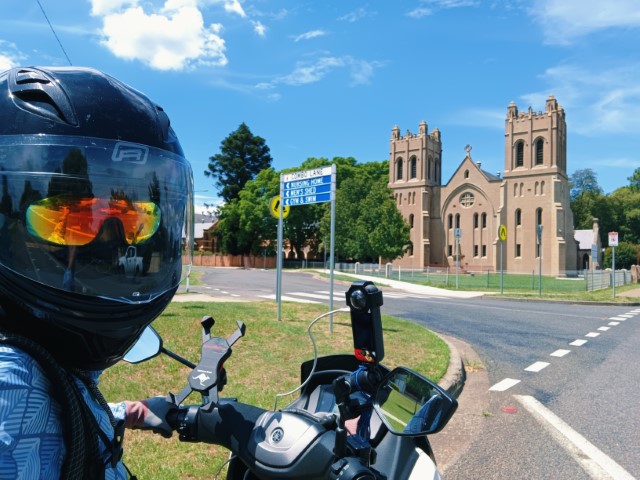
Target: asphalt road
{"type": "Point", "coordinates": [559, 382]}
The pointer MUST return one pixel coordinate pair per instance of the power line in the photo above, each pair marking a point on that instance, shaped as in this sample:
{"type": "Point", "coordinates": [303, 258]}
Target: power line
{"type": "Point", "coordinates": [54, 32]}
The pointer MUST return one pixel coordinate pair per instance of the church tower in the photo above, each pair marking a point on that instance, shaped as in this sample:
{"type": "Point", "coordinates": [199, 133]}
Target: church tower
{"type": "Point", "coordinates": [535, 192]}
{"type": "Point", "coordinates": [415, 175]}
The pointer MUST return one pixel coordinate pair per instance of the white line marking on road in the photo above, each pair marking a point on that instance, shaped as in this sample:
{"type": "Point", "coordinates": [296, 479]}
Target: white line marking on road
{"type": "Point", "coordinates": [626, 315]}
{"type": "Point", "coordinates": [285, 298]}
{"type": "Point", "coordinates": [592, 335]}
{"type": "Point", "coordinates": [619, 319]}
{"type": "Point", "coordinates": [536, 367]}
{"type": "Point", "coordinates": [560, 353]}
{"type": "Point", "coordinates": [604, 329]}
{"type": "Point", "coordinates": [312, 295]}
{"type": "Point", "coordinates": [588, 456]}
{"type": "Point", "coordinates": [614, 324]}
{"type": "Point", "coordinates": [578, 343]}
{"type": "Point", "coordinates": [505, 384]}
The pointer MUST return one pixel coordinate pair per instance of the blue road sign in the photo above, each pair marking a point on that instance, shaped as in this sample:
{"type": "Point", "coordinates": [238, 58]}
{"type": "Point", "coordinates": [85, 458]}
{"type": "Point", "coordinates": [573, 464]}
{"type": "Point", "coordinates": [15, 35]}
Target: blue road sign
{"type": "Point", "coordinates": [306, 187]}
{"type": "Point", "coordinates": [307, 199]}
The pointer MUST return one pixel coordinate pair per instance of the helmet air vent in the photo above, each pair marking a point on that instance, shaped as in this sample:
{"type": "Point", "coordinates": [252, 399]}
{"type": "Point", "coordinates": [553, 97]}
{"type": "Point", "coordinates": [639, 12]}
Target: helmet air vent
{"type": "Point", "coordinates": [34, 91]}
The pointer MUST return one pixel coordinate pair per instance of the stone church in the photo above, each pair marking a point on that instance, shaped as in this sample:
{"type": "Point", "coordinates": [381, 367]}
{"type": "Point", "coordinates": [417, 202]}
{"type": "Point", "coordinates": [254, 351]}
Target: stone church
{"type": "Point", "coordinates": [461, 220]}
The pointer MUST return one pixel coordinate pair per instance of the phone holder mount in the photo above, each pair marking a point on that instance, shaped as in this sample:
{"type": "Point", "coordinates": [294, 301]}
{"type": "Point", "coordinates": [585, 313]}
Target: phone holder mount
{"type": "Point", "coordinates": [210, 372]}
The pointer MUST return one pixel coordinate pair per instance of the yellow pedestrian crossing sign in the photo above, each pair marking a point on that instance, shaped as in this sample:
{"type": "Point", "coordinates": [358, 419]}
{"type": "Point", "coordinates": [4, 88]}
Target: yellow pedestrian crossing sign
{"type": "Point", "coordinates": [502, 232]}
{"type": "Point", "coordinates": [274, 208]}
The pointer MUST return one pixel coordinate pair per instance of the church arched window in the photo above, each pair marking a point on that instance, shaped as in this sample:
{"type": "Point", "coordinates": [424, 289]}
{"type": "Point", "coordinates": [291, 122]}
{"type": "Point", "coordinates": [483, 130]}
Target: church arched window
{"type": "Point", "coordinates": [399, 169]}
{"type": "Point", "coordinates": [520, 154]}
{"type": "Point", "coordinates": [539, 151]}
{"type": "Point", "coordinates": [413, 169]}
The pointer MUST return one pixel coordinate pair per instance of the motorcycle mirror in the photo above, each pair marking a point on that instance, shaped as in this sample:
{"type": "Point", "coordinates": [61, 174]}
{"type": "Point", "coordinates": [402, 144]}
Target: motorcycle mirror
{"type": "Point", "coordinates": [148, 345]}
{"type": "Point", "coordinates": [412, 405]}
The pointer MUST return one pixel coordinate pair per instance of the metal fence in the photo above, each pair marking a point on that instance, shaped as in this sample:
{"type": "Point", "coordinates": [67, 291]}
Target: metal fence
{"type": "Point", "coordinates": [567, 281]}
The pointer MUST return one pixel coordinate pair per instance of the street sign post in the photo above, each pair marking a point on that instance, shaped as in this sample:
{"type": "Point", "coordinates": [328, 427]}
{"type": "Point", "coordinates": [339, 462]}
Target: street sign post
{"type": "Point", "coordinates": [502, 233]}
{"type": "Point", "coordinates": [539, 260]}
{"type": "Point", "coordinates": [307, 187]}
{"type": "Point", "coordinates": [613, 243]}
{"type": "Point", "coordinates": [457, 233]}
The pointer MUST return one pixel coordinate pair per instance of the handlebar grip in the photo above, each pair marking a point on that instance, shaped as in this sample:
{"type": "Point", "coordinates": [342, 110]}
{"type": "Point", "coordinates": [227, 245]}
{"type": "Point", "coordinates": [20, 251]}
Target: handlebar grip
{"type": "Point", "coordinates": [184, 420]}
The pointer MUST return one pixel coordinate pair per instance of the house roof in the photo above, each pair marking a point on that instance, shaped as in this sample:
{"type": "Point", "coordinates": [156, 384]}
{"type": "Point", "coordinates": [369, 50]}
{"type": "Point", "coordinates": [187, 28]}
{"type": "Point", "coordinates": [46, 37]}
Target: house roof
{"type": "Point", "coordinates": [584, 238]}
{"type": "Point", "coordinates": [200, 228]}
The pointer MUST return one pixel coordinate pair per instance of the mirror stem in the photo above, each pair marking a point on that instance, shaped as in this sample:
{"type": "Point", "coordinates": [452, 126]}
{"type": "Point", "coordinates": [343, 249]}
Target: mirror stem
{"type": "Point", "coordinates": [177, 357]}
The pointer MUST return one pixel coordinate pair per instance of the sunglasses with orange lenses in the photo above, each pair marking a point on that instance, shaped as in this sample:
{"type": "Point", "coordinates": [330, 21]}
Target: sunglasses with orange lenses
{"type": "Point", "coordinates": [72, 221]}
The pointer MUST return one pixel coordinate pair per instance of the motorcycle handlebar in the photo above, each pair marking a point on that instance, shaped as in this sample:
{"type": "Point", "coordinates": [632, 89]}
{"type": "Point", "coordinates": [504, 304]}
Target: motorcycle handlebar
{"type": "Point", "coordinates": [230, 424]}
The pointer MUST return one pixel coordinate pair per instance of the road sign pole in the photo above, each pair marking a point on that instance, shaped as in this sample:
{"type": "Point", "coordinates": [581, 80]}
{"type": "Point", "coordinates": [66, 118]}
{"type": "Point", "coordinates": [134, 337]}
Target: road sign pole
{"type": "Point", "coordinates": [279, 256]}
{"type": "Point", "coordinates": [333, 243]}
{"type": "Point", "coordinates": [501, 267]}
{"type": "Point", "coordinates": [502, 235]}
{"type": "Point", "coordinates": [613, 243]}
{"type": "Point", "coordinates": [457, 258]}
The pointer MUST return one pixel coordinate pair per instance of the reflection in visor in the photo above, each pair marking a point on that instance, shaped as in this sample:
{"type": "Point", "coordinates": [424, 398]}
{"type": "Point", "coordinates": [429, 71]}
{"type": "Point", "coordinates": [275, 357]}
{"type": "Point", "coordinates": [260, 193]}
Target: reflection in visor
{"type": "Point", "coordinates": [66, 221]}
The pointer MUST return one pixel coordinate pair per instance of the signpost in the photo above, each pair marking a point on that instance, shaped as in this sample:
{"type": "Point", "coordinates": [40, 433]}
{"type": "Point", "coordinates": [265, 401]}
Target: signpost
{"type": "Point", "coordinates": [305, 188]}
{"type": "Point", "coordinates": [613, 243]}
{"type": "Point", "coordinates": [457, 233]}
{"type": "Point", "coordinates": [502, 233]}
{"type": "Point", "coordinates": [540, 260]}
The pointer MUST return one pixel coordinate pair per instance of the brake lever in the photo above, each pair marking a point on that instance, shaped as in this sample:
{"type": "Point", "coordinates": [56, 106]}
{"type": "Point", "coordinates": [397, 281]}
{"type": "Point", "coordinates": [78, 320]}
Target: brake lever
{"type": "Point", "coordinates": [209, 372]}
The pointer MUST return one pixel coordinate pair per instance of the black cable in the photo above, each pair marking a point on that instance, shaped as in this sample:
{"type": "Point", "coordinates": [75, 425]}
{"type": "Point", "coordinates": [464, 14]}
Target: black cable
{"type": "Point", "coordinates": [54, 32]}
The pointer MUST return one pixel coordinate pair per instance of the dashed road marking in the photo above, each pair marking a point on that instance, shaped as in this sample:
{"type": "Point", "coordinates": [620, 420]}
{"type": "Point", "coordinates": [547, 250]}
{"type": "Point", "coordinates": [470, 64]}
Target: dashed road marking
{"type": "Point", "coordinates": [560, 353]}
{"type": "Point", "coordinates": [618, 318]}
{"type": "Point", "coordinates": [592, 335]}
{"type": "Point", "coordinates": [578, 343]}
{"type": "Point", "coordinates": [613, 324]}
{"type": "Point", "coordinates": [588, 456]}
{"type": "Point", "coordinates": [536, 367]}
{"type": "Point", "coordinates": [503, 385]}
{"type": "Point", "coordinates": [604, 329]}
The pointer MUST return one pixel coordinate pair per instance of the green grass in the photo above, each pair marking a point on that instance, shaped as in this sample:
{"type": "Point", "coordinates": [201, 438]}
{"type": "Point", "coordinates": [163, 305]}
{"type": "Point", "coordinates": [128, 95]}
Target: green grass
{"type": "Point", "coordinates": [516, 286]}
{"type": "Point", "coordinates": [265, 362]}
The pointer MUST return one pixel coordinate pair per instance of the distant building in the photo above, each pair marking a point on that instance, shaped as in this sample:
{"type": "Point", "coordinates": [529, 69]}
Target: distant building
{"type": "Point", "coordinates": [531, 195]}
{"type": "Point", "coordinates": [587, 240]}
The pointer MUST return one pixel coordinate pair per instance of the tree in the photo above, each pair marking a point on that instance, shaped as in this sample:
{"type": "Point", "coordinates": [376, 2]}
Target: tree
{"type": "Point", "coordinates": [242, 156]}
{"type": "Point", "coordinates": [582, 181]}
{"type": "Point", "coordinates": [368, 223]}
{"type": "Point", "coordinates": [634, 179]}
{"type": "Point", "coordinates": [626, 255]}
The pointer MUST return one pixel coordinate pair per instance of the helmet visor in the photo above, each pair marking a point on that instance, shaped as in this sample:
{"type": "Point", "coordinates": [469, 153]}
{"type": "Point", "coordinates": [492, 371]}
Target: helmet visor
{"type": "Point", "coordinates": [97, 217]}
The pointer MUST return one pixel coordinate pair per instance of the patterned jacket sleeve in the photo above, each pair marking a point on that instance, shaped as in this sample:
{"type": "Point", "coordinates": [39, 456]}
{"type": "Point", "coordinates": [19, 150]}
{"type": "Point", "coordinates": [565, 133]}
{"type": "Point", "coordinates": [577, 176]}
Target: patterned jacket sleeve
{"type": "Point", "coordinates": [31, 439]}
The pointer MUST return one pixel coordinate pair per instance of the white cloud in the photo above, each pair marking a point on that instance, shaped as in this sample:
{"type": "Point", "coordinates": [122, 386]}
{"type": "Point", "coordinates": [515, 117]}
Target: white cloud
{"type": "Point", "coordinates": [233, 6]}
{"type": "Point", "coordinates": [6, 63]}
{"type": "Point", "coordinates": [356, 15]}
{"type": "Point", "coordinates": [10, 57]}
{"type": "Point", "coordinates": [420, 12]}
{"type": "Point", "coordinates": [173, 39]}
{"type": "Point", "coordinates": [309, 35]}
{"type": "Point", "coordinates": [565, 20]}
{"type": "Point", "coordinates": [259, 28]}
{"type": "Point", "coordinates": [602, 101]}
{"type": "Point", "coordinates": [361, 71]}
{"type": "Point", "coordinates": [105, 7]}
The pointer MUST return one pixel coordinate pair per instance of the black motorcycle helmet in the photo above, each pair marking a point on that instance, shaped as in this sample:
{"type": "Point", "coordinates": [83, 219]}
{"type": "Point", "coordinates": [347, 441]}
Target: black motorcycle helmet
{"type": "Point", "coordinates": [96, 209]}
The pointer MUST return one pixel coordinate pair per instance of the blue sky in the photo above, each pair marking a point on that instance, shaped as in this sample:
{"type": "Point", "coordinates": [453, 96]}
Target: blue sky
{"type": "Point", "coordinates": [331, 78]}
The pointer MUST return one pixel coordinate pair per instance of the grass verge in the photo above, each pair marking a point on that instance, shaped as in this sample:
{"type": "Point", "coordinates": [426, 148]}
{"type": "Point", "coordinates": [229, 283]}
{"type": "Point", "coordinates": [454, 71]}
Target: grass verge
{"type": "Point", "coordinates": [265, 362]}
